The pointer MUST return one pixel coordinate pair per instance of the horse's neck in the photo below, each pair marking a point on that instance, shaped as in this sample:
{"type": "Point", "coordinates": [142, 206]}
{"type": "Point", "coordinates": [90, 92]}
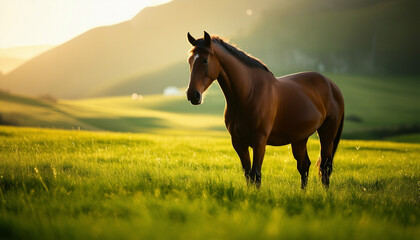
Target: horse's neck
{"type": "Point", "coordinates": [234, 79]}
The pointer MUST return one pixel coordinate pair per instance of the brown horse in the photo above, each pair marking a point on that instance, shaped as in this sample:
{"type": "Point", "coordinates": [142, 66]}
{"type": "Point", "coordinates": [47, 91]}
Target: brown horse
{"type": "Point", "coordinates": [261, 109]}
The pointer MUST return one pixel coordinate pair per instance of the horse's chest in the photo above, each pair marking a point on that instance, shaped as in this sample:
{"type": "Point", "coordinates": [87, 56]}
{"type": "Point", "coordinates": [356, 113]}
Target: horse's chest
{"type": "Point", "coordinates": [238, 125]}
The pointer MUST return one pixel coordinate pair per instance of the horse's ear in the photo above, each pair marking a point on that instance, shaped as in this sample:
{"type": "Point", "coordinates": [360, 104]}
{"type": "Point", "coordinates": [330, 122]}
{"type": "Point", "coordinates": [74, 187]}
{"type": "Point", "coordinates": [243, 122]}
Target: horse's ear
{"type": "Point", "coordinates": [207, 39]}
{"type": "Point", "coordinates": [191, 39]}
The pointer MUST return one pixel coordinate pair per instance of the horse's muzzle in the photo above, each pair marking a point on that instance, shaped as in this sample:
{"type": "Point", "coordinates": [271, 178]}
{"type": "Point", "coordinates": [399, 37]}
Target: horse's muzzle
{"type": "Point", "coordinates": [194, 97]}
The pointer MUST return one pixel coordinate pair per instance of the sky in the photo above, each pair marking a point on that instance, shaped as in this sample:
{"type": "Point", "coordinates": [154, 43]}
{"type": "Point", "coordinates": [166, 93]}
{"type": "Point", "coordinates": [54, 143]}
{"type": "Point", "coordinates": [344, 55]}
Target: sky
{"type": "Point", "coordinates": [52, 22]}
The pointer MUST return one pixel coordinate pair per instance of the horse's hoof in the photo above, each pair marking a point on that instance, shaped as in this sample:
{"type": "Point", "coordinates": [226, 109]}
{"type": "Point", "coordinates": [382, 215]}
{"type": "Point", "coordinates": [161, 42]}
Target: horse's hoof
{"type": "Point", "coordinates": [325, 182]}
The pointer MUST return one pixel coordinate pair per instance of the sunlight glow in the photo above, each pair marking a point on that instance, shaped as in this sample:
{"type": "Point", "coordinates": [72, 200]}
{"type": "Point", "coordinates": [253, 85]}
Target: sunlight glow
{"type": "Point", "coordinates": [56, 21]}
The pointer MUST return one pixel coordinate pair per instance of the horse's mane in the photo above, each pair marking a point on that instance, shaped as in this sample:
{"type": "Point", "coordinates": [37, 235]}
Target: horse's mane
{"type": "Point", "coordinates": [240, 55]}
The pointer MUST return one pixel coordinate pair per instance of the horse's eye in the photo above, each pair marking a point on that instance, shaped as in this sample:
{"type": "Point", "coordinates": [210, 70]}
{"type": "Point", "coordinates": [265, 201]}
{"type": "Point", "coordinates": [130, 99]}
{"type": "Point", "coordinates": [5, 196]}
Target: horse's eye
{"type": "Point", "coordinates": [205, 61]}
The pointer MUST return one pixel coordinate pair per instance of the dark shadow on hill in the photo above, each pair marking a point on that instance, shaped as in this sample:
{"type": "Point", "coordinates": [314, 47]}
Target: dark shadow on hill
{"type": "Point", "coordinates": [126, 124]}
{"type": "Point", "coordinates": [5, 96]}
{"type": "Point", "coordinates": [7, 121]}
{"type": "Point", "coordinates": [382, 132]}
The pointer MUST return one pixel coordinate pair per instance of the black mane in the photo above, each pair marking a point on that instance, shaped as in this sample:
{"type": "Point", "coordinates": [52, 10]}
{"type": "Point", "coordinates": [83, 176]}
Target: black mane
{"type": "Point", "coordinates": [240, 55]}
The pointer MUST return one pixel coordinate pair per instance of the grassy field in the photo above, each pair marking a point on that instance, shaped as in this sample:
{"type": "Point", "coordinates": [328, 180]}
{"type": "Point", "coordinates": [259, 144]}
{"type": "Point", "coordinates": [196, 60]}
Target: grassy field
{"type": "Point", "coordinates": [101, 185]}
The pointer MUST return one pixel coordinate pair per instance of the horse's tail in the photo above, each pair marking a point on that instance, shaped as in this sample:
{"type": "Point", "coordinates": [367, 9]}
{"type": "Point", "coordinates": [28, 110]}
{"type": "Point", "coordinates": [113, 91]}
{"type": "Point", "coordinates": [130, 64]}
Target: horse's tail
{"type": "Point", "coordinates": [337, 136]}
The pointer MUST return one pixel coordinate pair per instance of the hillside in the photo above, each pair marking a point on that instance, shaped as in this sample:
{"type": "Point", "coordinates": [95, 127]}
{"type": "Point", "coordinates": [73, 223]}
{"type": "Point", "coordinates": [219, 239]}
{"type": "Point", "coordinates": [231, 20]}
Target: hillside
{"type": "Point", "coordinates": [154, 113]}
{"type": "Point", "coordinates": [374, 36]}
{"type": "Point", "coordinates": [153, 82]}
{"type": "Point", "coordinates": [7, 64]}
{"type": "Point", "coordinates": [11, 58]}
{"type": "Point", "coordinates": [36, 112]}
{"type": "Point", "coordinates": [362, 37]}
{"type": "Point", "coordinates": [24, 52]}
{"type": "Point", "coordinates": [152, 39]}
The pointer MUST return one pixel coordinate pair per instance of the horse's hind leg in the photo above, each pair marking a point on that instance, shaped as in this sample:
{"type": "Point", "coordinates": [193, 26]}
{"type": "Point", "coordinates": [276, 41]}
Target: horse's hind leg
{"type": "Point", "coordinates": [327, 133]}
{"type": "Point", "coordinates": [300, 153]}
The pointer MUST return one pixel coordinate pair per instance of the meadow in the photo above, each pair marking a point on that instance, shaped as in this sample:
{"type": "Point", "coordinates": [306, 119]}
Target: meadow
{"type": "Point", "coordinates": [80, 158]}
{"type": "Point", "coordinates": [71, 184]}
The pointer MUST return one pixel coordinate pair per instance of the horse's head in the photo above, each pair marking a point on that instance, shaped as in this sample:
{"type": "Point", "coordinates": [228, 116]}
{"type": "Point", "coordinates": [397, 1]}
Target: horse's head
{"type": "Point", "coordinates": [204, 67]}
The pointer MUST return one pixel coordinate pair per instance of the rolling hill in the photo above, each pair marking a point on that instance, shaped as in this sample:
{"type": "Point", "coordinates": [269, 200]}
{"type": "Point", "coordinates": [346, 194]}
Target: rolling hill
{"type": "Point", "coordinates": [176, 74]}
{"type": "Point", "coordinates": [11, 58]}
{"type": "Point", "coordinates": [328, 36]}
{"type": "Point", "coordinates": [358, 37]}
{"type": "Point", "coordinates": [7, 64]}
{"type": "Point", "coordinates": [374, 37]}
{"type": "Point", "coordinates": [152, 39]}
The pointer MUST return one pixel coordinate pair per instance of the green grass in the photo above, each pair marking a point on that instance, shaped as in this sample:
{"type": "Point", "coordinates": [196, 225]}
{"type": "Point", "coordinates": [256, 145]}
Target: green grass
{"type": "Point", "coordinates": [101, 185]}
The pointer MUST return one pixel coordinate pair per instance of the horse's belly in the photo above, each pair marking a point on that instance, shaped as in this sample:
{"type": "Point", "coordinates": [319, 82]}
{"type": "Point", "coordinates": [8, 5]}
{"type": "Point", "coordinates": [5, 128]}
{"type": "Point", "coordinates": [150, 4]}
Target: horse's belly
{"type": "Point", "coordinates": [278, 141]}
{"type": "Point", "coordinates": [287, 132]}
{"type": "Point", "coordinates": [277, 138]}
{"type": "Point", "coordinates": [284, 138]}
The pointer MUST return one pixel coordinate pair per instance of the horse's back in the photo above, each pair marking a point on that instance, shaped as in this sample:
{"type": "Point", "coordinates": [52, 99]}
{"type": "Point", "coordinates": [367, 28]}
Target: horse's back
{"type": "Point", "coordinates": [307, 80]}
{"type": "Point", "coordinates": [314, 85]}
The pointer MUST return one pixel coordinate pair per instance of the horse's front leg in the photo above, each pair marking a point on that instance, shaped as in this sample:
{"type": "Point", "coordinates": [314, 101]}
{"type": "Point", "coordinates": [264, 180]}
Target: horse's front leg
{"type": "Point", "coordinates": [243, 153]}
{"type": "Point", "coordinates": [258, 157]}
